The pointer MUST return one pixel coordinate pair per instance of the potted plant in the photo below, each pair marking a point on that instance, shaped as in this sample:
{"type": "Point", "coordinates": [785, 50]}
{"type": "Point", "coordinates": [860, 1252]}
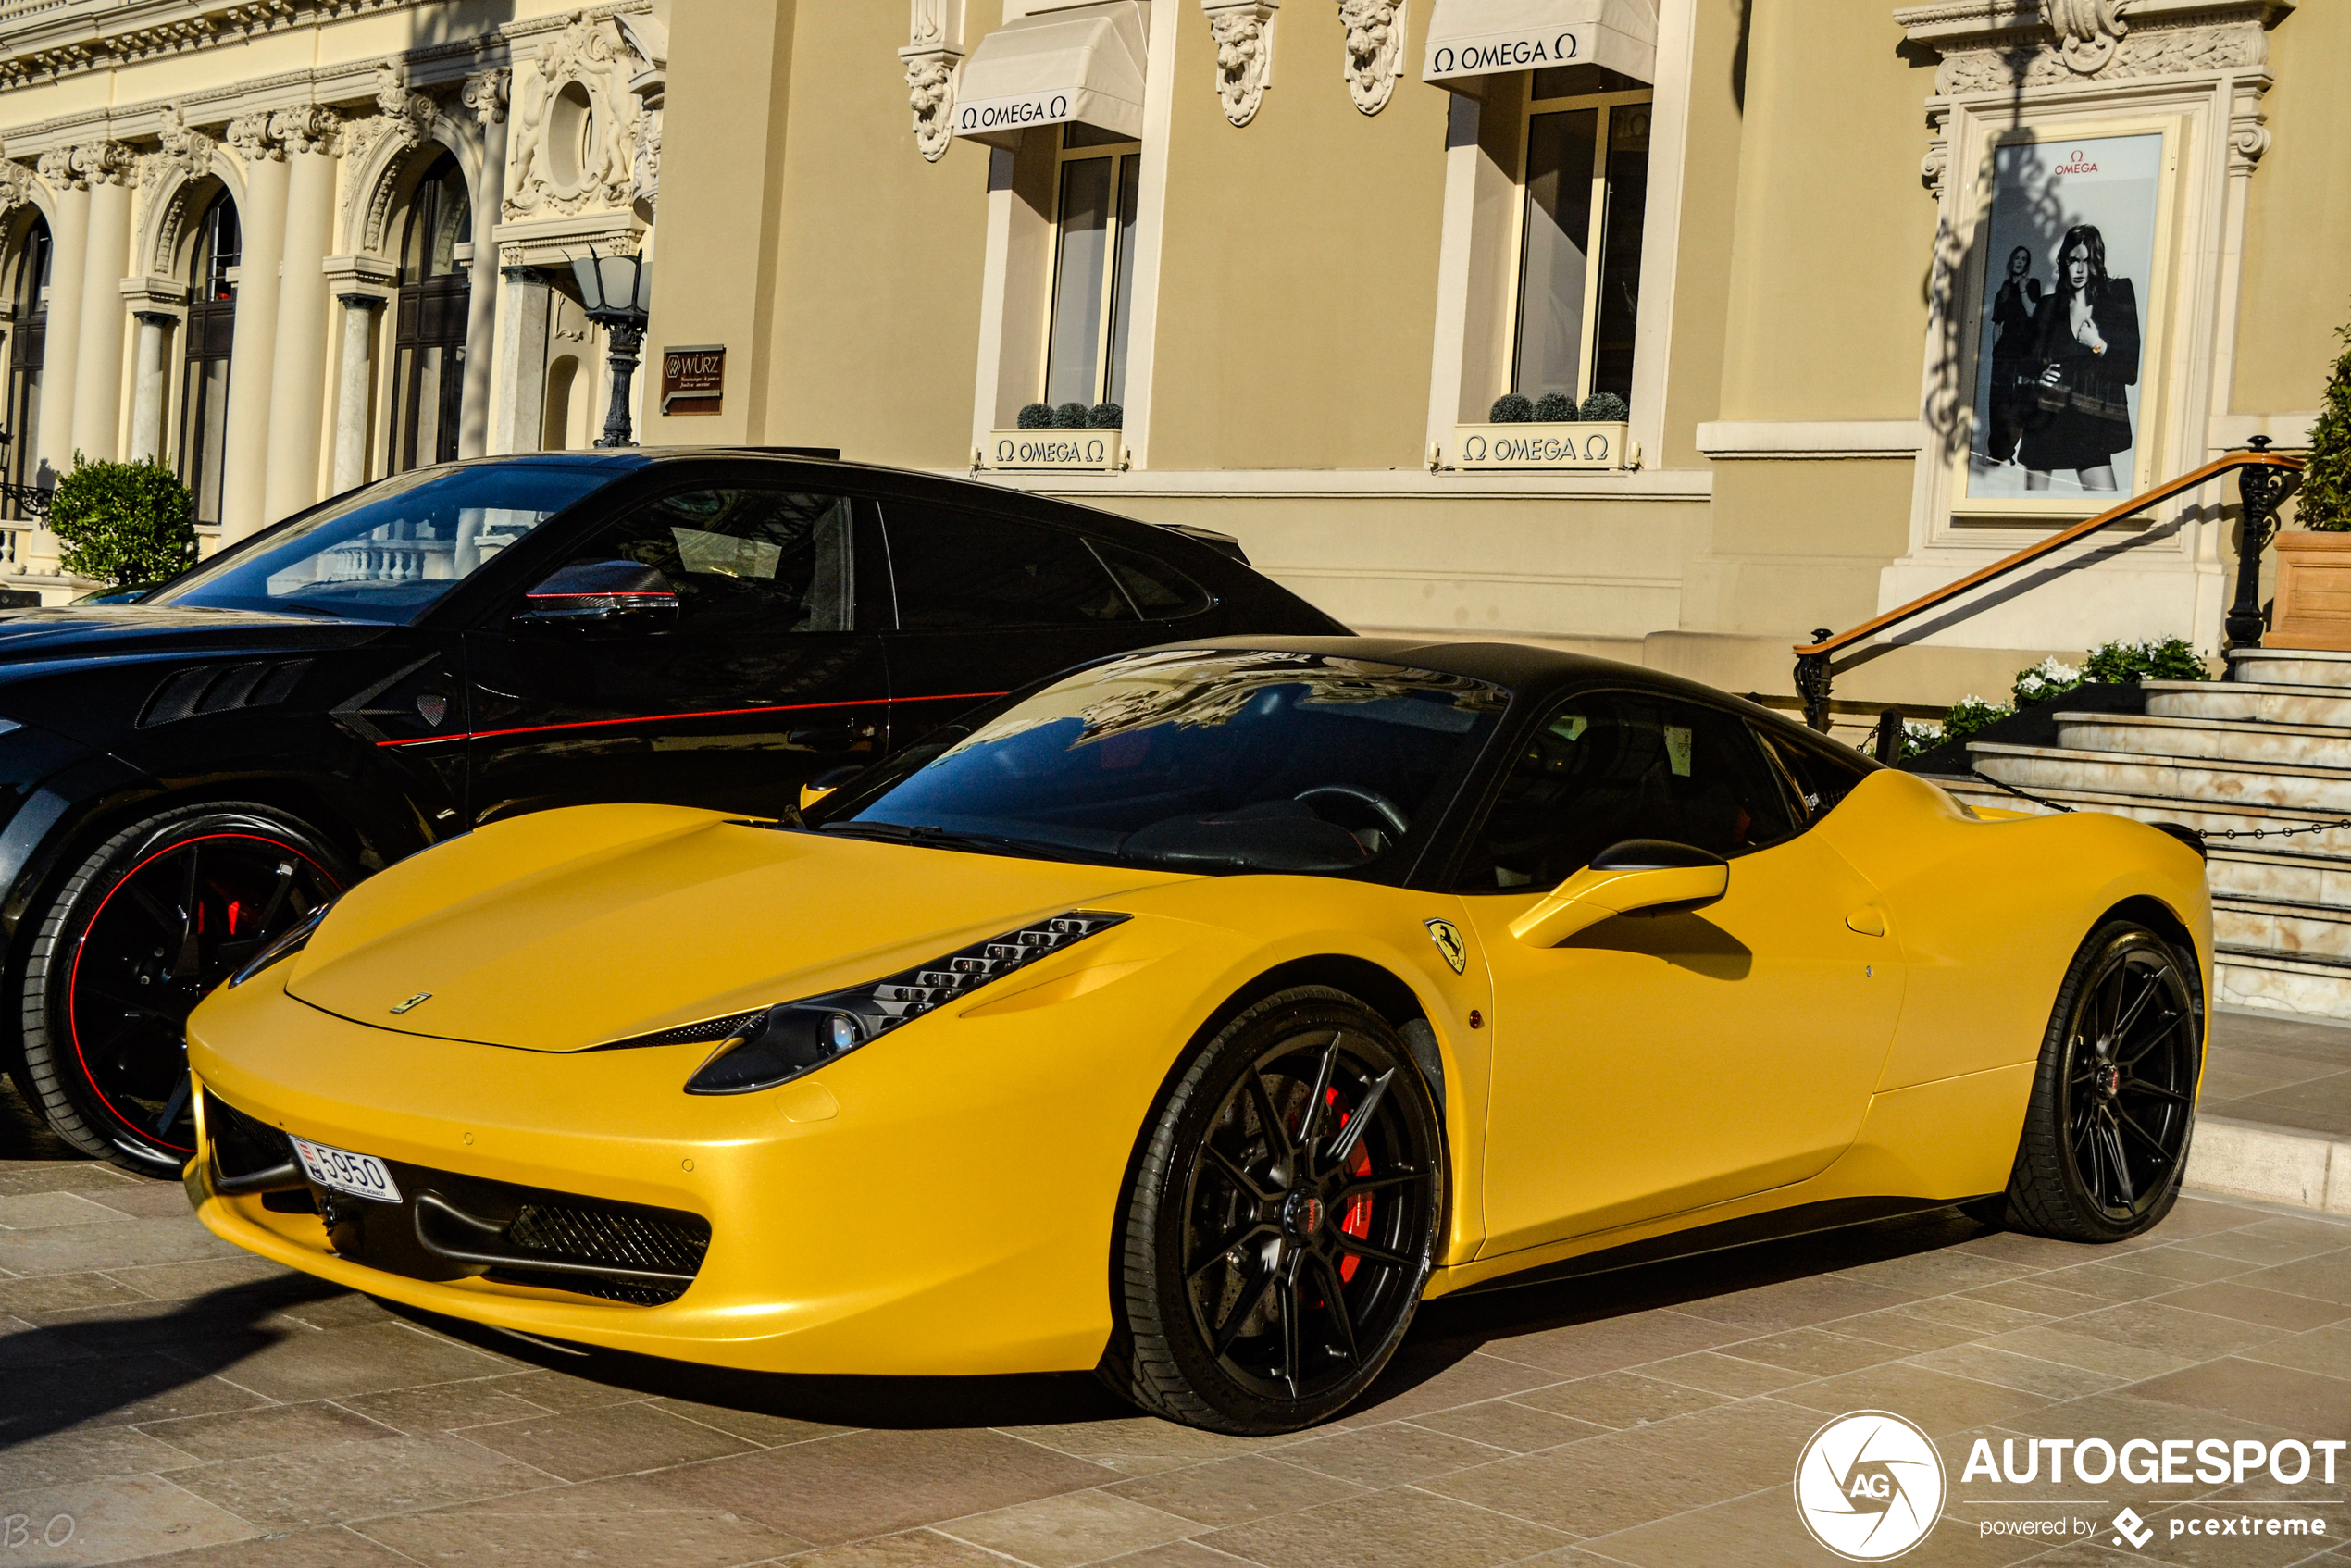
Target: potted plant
{"type": "Point", "coordinates": [123, 524]}
{"type": "Point", "coordinates": [2313, 606]}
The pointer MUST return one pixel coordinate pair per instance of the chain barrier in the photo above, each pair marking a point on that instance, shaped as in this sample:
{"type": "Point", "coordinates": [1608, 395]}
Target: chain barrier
{"type": "Point", "coordinates": [2200, 832]}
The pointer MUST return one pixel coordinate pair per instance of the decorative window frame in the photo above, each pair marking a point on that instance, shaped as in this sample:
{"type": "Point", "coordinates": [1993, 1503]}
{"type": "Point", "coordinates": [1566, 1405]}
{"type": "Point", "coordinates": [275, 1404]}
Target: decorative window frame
{"type": "Point", "coordinates": [2200, 67]}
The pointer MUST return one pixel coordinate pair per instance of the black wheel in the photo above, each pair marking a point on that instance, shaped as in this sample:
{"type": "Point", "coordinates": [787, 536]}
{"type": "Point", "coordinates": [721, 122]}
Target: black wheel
{"type": "Point", "coordinates": [125, 948]}
{"type": "Point", "coordinates": [2105, 1136]}
{"type": "Point", "coordinates": [1281, 1221]}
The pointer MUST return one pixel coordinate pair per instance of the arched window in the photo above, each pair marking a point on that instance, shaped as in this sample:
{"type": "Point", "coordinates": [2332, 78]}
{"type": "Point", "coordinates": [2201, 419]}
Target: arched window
{"type": "Point", "coordinates": [428, 338]}
{"type": "Point", "coordinates": [212, 328]}
{"type": "Point", "coordinates": [29, 291]}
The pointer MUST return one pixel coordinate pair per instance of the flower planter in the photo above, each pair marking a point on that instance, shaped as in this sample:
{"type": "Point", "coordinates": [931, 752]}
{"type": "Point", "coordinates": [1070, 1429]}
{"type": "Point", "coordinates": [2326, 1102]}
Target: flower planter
{"type": "Point", "coordinates": [2313, 604]}
{"type": "Point", "coordinates": [1532, 447]}
{"type": "Point", "coordinates": [1081, 452]}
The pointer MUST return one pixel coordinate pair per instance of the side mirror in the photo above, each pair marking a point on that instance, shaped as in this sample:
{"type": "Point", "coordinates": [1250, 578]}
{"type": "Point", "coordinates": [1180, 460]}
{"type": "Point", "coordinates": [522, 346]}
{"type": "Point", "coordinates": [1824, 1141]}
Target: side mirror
{"type": "Point", "coordinates": [824, 784]}
{"type": "Point", "coordinates": [605, 596]}
{"type": "Point", "coordinates": [1640, 876]}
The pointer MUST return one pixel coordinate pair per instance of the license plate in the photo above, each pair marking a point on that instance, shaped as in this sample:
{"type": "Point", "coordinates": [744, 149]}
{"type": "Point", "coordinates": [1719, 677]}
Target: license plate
{"type": "Point", "coordinates": [362, 1176]}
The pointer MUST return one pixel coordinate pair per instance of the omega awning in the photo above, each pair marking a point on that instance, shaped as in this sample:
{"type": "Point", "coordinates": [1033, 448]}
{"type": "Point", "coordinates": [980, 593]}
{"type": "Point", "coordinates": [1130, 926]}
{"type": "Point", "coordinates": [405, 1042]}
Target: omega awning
{"type": "Point", "coordinates": [1472, 38]}
{"type": "Point", "coordinates": [1082, 63]}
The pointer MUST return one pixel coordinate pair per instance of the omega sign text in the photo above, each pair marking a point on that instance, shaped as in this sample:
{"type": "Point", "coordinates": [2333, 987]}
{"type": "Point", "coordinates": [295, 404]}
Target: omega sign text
{"type": "Point", "coordinates": [1098, 450]}
{"type": "Point", "coordinates": [1479, 57]}
{"type": "Point", "coordinates": [1005, 113]}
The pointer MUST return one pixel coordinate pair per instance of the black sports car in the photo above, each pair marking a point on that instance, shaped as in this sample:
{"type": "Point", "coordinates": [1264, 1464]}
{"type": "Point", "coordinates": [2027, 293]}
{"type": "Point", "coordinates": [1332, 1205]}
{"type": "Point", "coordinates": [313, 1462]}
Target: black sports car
{"type": "Point", "coordinates": [188, 776]}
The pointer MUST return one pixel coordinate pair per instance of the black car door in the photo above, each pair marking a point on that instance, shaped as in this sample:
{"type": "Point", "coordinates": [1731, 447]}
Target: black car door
{"type": "Point", "coordinates": [986, 604]}
{"type": "Point", "coordinates": [765, 680]}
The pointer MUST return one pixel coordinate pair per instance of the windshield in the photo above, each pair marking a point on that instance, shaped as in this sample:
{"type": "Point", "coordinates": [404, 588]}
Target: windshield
{"type": "Point", "coordinates": [388, 552]}
{"type": "Point", "coordinates": [1197, 761]}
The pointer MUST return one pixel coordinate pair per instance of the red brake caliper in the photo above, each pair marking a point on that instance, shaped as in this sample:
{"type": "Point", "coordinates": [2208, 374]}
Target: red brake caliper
{"type": "Point", "coordinates": [1357, 1221]}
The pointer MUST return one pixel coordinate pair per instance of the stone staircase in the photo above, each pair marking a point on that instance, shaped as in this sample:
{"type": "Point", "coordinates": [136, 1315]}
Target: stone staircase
{"type": "Point", "coordinates": [2270, 748]}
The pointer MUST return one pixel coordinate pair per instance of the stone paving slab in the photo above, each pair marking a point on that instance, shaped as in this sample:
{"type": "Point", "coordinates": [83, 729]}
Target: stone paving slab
{"type": "Point", "coordinates": [164, 1401]}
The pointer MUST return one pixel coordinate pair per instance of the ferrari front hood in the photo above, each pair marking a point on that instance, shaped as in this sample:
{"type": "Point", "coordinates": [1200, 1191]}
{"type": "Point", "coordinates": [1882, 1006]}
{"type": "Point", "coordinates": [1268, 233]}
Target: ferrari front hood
{"type": "Point", "coordinates": [569, 930]}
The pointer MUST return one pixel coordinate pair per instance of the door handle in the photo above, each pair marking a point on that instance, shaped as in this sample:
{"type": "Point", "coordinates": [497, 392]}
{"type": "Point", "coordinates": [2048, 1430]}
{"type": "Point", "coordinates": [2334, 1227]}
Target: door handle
{"type": "Point", "coordinates": [839, 738]}
{"type": "Point", "coordinates": [1869, 920]}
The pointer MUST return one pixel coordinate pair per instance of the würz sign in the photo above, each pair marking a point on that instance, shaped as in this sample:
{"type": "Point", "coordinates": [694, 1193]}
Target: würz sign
{"type": "Point", "coordinates": [1503, 51]}
{"type": "Point", "coordinates": [693, 381]}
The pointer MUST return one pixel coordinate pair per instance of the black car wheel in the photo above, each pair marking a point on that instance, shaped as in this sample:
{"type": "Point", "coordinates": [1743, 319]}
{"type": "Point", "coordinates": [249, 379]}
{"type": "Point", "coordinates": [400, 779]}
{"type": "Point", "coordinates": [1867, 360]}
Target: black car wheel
{"type": "Point", "coordinates": [2106, 1135]}
{"type": "Point", "coordinates": [125, 948]}
{"type": "Point", "coordinates": [1281, 1223]}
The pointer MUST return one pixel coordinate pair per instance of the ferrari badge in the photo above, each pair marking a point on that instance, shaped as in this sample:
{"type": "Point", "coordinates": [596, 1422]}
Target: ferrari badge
{"type": "Point", "coordinates": [412, 1002]}
{"type": "Point", "coordinates": [1448, 937]}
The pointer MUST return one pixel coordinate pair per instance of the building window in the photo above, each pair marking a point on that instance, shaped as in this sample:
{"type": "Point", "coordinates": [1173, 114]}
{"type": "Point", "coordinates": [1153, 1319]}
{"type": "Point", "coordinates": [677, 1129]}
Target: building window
{"type": "Point", "coordinates": [28, 342]}
{"type": "Point", "coordinates": [1097, 175]}
{"type": "Point", "coordinates": [1584, 168]}
{"type": "Point", "coordinates": [212, 329]}
{"type": "Point", "coordinates": [429, 337]}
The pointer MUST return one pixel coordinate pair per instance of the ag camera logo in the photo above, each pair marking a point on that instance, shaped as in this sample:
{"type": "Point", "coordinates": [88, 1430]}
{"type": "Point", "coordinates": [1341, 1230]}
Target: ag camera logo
{"type": "Point", "coordinates": [1869, 1486]}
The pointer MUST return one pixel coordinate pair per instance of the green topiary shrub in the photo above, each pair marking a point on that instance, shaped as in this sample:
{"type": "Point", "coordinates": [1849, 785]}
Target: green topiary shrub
{"type": "Point", "coordinates": [1555, 408]}
{"type": "Point", "coordinates": [1070, 416]}
{"type": "Point", "coordinates": [2324, 501]}
{"type": "Point", "coordinates": [1105, 417]}
{"type": "Point", "coordinates": [1604, 408]}
{"type": "Point", "coordinates": [1035, 417]}
{"type": "Point", "coordinates": [1510, 409]}
{"type": "Point", "coordinates": [123, 523]}
{"type": "Point", "coordinates": [2127, 664]}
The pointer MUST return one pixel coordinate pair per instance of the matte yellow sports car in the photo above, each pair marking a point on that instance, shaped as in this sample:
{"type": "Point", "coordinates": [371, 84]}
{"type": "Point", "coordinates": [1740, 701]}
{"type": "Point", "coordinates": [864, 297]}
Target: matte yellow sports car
{"type": "Point", "coordinates": [1195, 1015]}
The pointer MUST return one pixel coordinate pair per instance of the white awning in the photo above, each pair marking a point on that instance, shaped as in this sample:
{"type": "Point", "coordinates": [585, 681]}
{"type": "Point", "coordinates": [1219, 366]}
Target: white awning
{"type": "Point", "coordinates": [1082, 63]}
{"type": "Point", "coordinates": [1474, 38]}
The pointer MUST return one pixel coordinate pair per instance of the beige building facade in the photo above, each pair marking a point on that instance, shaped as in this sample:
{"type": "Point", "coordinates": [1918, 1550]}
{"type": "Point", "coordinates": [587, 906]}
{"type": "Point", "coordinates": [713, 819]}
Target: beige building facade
{"type": "Point", "coordinates": [1811, 306]}
{"type": "Point", "coordinates": [289, 247]}
{"type": "Point", "coordinates": [1314, 242]}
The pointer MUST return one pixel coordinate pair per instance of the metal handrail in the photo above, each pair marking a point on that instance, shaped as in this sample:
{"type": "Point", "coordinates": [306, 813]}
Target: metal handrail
{"type": "Point", "coordinates": [2264, 480]}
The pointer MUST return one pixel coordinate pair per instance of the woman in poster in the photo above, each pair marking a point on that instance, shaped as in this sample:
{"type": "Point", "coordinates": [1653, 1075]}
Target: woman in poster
{"type": "Point", "coordinates": [2016, 372]}
{"type": "Point", "coordinates": [2086, 339]}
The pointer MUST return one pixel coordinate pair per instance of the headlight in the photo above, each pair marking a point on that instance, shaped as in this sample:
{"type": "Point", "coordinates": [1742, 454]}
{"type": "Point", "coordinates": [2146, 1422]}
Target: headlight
{"type": "Point", "coordinates": [293, 941]}
{"type": "Point", "coordinates": [777, 1044]}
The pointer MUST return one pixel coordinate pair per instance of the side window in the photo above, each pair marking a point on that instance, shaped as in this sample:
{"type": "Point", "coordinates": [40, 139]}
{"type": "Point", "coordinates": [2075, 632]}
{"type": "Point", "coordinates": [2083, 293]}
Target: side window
{"type": "Point", "coordinates": [1820, 776]}
{"type": "Point", "coordinates": [744, 561]}
{"type": "Point", "coordinates": [1158, 590]}
{"type": "Point", "coordinates": [962, 570]}
{"type": "Point", "coordinates": [1611, 766]}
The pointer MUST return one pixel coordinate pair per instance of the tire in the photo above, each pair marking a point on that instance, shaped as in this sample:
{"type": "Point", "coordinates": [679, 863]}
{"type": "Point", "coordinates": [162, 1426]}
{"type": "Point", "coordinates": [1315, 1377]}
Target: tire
{"type": "Point", "coordinates": [2113, 1108]}
{"type": "Point", "coordinates": [1254, 1291]}
{"type": "Point", "coordinates": [144, 927]}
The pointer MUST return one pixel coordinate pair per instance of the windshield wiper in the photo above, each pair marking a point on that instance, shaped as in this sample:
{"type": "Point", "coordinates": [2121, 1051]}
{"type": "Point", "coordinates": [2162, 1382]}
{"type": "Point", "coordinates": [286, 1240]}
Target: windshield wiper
{"type": "Point", "coordinates": [934, 837]}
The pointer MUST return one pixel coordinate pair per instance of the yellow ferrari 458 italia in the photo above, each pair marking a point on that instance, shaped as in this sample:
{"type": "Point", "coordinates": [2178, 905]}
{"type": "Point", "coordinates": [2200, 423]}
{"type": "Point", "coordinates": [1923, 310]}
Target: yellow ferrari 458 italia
{"type": "Point", "coordinates": [1193, 1017]}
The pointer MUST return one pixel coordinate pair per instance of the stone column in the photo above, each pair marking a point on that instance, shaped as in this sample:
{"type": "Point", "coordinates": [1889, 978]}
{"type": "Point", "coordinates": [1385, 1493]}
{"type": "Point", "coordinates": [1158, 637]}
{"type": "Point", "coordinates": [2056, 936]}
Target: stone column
{"type": "Point", "coordinates": [245, 469]}
{"type": "Point", "coordinates": [71, 237]}
{"type": "Point", "coordinates": [312, 140]}
{"type": "Point", "coordinates": [111, 170]}
{"type": "Point", "coordinates": [354, 398]}
{"type": "Point", "coordinates": [148, 392]}
{"type": "Point", "coordinates": [522, 361]}
{"type": "Point", "coordinates": [485, 96]}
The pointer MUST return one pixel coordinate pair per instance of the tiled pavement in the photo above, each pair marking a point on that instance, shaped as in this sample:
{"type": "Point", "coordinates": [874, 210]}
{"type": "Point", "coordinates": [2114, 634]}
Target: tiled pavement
{"type": "Point", "coordinates": [169, 1395]}
{"type": "Point", "coordinates": [2282, 1071]}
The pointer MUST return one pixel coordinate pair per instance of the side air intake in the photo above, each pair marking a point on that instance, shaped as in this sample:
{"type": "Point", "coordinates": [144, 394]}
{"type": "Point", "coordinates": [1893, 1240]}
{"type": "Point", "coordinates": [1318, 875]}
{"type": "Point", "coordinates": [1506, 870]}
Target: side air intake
{"type": "Point", "coordinates": [219, 688]}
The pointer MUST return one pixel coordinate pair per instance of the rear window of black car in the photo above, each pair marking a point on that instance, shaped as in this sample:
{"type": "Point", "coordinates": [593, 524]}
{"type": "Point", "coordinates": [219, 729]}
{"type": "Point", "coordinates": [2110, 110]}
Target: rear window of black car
{"type": "Point", "coordinates": [962, 570]}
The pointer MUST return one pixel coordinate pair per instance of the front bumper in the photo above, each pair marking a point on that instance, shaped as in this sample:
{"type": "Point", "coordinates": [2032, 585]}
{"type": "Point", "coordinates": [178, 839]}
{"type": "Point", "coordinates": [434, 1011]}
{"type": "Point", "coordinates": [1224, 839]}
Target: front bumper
{"type": "Point", "coordinates": [940, 1203]}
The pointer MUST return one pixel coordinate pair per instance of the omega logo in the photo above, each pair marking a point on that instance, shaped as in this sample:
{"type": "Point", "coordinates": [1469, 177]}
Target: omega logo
{"type": "Point", "coordinates": [1506, 55]}
{"type": "Point", "coordinates": [2078, 163]}
{"type": "Point", "coordinates": [1020, 111]}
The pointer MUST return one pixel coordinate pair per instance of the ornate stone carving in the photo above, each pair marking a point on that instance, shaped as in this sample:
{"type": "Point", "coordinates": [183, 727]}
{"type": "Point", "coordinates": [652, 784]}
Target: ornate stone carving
{"type": "Point", "coordinates": [16, 185]}
{"type": "Point", "coordinates": [249, 139]}
{"type": "Point", "coordinates": [104, 163]}
{"type": "Point", "coordinates": [184, 148]}
{"type": "Point", "coordinates": [485, 95]}
{"type": "Point", "coordinates": [312, 128]}
{"type": "Point", "coordinates": [1244, 34]}
{"type": "Point", "coordinates": [2087, 31]}
{"type": "Point", "coordinates": [407, 114]}
{"type": "Point", "coordinates": [56, 166]}
{"type": "Point", "coordinates": [1374, 42]}
{"type": "Point", "coordinates": [2144, 54]}
{"type": "Point", "coordinates": [1937, 162]}
{"type": "Point", "coordinates": [584, 70]}
{"type": "Point", "coordinates": [934, 62]}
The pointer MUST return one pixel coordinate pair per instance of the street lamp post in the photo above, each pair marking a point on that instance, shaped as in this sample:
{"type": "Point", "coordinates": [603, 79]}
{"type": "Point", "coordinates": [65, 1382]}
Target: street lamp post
{"type": "Point", "coordinates": [618, 292]}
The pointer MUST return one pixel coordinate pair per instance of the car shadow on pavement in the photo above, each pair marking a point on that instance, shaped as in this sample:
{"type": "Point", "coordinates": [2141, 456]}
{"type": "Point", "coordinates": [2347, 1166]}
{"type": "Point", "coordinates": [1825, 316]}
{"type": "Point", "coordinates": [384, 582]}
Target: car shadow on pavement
{"type": "Point", "coordinates": [1446, 1331]}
